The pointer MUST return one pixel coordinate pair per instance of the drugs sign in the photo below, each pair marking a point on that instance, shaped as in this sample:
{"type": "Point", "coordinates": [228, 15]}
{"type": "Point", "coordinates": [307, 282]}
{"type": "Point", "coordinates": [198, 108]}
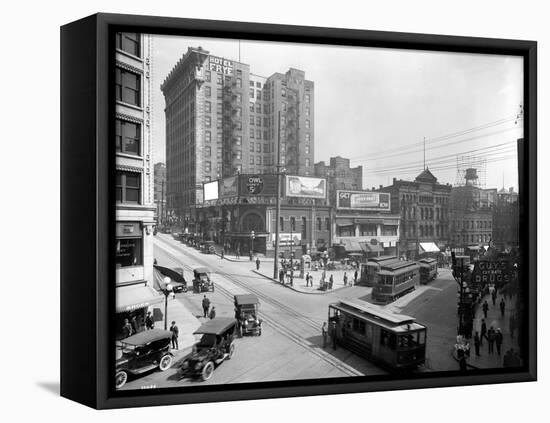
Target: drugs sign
{"type": "Point", "coordinates": [492, 272]}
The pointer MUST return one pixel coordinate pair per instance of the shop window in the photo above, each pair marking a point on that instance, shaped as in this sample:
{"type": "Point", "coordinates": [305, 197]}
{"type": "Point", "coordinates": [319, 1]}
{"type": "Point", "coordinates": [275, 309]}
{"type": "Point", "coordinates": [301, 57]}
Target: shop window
{"type": "Point", "coordinates": [128, 252]}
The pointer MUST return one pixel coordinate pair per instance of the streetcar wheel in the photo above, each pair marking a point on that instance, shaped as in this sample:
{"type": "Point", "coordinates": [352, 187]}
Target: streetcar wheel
{"type": "Point", "coordinates": [120, 379]}
{"type": "Point", "coordinates": [207, 371]}
{"type": "Point", "coordinates": [165, 363]}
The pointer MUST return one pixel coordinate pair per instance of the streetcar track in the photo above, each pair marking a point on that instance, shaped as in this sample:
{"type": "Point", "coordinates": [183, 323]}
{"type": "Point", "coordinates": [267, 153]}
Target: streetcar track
{"type": "Point", "coordinates": [282, 329]}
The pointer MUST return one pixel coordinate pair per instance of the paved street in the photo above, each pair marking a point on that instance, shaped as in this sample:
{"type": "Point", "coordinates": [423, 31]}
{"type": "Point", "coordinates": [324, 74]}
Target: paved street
{"type": "Point", "coordinates": [290, 346]}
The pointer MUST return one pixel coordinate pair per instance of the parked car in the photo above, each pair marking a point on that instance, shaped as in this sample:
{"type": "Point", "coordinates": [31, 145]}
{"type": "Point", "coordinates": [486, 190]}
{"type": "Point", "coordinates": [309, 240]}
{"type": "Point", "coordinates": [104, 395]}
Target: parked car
{"type": "Point", "coordinates": [246, 313]}
{"type": "Point", "coordinates": [176, 275]}
{"type": "Point", "coordinates": [201, 280]}
{"type": "Point", "coordinates": [141, 353]}
{"type": "Point", "coordinates": [208, 247]}
{"type": "Point", "coordinates": [215, 346]}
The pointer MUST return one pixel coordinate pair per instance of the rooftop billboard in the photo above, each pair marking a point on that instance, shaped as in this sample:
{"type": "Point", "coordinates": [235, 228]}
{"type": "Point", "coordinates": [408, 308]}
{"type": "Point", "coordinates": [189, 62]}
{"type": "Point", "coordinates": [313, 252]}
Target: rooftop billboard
{"type": "Point", "coordinates": [363, 200]}
{"type": "Point", "coordinates": [303, 186]}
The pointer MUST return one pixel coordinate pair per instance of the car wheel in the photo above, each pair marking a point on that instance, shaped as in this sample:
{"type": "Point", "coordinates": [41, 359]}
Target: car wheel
{"type": "Point", "coordinates": [259, 332]}
{"type": "Point", "coordinates": [207, 371]}
{"type": "Point", "coordinates": [231, 351]}
{"type": "Point", "coordinates": [165, 362]}
{"type": "Point", "coordinates": [120, 379]}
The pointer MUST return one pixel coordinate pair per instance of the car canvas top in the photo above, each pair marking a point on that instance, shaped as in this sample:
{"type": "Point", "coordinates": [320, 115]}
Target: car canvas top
{"type": "Point", "coordinates": [215, 326]}
{"type": "Point", "coordinates": [243, 299]}
{"type": "Point", "coordinates": [147, 336]}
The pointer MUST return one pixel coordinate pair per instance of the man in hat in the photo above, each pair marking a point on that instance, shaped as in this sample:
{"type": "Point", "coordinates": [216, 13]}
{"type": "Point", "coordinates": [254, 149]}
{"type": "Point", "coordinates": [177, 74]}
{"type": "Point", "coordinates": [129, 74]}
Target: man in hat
{"type": "Point", "coordinates": [498, 340]}
{"type": "Point", "coordinates": [175, 332]}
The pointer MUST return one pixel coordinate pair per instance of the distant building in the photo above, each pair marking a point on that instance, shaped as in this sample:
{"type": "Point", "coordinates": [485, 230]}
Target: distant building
{"type": "Point", "coordinates": [423, 205]}
{"type": "Point", "coordinates": [472, 214]}
{"type": "Point", "coordinates": [339, 175]}
{"type": "Point", "coordinates": [506, 219]}
{"type": "Point", "coordinates": [222, 120]}
{"type": "Point", "coordinates": [160, 192]}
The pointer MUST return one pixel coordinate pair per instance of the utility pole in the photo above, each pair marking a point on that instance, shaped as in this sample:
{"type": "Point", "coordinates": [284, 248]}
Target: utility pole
{"type": "Point", "coordinates": [162, 205]}
{"type": "Point", "coordinates": [278, 202]}
{"type": "Point", "coordinates": [424, 153]}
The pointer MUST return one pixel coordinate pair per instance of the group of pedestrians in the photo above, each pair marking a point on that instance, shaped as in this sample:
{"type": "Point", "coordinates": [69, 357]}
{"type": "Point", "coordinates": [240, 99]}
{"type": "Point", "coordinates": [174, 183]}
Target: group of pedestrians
{"type": "Point", "coordinates": [493, 337]}
{"type": "Point", "coordinates": [207, 311]}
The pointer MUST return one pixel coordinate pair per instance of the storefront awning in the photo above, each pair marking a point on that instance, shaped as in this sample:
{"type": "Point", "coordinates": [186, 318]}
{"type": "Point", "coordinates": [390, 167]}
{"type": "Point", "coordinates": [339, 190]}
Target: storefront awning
{"type": "Point", "coordinates": [132, 297]}
{"type": "Point", "coordinates": [371, 248]}
{"type": "Point", "coordinates": [351, 245]}
{"type": "Point", "coordinates": [429, 247]}
{"type": "Point", "coordinates": [344, 222]}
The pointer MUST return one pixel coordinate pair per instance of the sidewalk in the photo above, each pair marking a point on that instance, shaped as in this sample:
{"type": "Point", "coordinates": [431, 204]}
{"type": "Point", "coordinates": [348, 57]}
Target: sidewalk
{"type": "Point", "coordinates": [299, 284]}
{"type": "Point", "coordinates": [186, 322]}
{"type": "Point", "coordinates": [497, 321]}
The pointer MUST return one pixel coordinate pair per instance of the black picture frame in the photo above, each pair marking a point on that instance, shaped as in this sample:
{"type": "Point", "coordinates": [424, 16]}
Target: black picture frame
{"type": "Point", "coordinates": [87, 212]}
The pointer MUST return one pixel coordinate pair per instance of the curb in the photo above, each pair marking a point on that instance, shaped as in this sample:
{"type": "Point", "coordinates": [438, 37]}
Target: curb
{"type": "Point", "coordinates": [297, 290]}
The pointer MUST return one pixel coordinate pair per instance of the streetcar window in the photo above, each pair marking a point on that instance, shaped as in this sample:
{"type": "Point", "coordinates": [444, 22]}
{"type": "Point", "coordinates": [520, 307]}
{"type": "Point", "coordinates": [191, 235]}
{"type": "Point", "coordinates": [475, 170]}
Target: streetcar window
{"type": "Point", "coordinates": [359, 326]}
{"type": "Point", "coordinates": [422, 337]}
{"type": "Point", "coordinates": [387, 339]}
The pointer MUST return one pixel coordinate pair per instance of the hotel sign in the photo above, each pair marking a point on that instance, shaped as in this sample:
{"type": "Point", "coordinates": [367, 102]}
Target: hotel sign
{"type": "Point", "coordinates": [220, 65]}
{"type": "Point", "coordinates": [363, 200]}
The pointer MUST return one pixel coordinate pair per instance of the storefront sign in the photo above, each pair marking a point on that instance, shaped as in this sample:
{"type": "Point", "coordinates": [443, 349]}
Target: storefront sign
{"type": "Point", "coordinates": [128, 230]}
{"type": "Point", "coordinates": [301, 186]}
{"type": "Point", "coordinates": [220, 65]}
{"type": "Point", "coordinates": [363, 200]}
{"type": "Point", "coordinates": [256, 185]}
{"type": "Point", "coordinates": [491, 272]}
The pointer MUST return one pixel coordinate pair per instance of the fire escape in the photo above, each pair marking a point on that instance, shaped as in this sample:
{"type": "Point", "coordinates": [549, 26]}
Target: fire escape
{"type": "Point", "coordinates": [232, 115]}
{"type": "Point", "coordinates": [291, 130]}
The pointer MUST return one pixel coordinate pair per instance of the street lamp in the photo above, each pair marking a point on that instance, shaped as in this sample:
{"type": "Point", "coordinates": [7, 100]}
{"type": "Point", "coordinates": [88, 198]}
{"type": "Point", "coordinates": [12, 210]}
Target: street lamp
{"type": "Point", "coordinates": [166, 290]}
{"type": "Point", "coordinates": [252, 236]}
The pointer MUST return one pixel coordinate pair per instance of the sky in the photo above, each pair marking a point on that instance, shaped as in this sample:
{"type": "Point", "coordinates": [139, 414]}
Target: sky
{"type": "Point", "coordinates": [385, 109]}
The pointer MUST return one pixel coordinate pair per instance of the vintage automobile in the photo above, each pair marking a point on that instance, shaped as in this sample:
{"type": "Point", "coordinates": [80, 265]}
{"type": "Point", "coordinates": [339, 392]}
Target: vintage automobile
{"type": "Point", "coordinates": [208, 247]}
{"type": "Point", "coordinates": [141, 353]}
{"type": "Point", "coordinates": [246, 313]}
{"type": "Point", "coordinates": [215, 346]}
{"type": "Point", "coordinates": [176, 277]}
{"type": "Point", "coordinates": [201, 280]}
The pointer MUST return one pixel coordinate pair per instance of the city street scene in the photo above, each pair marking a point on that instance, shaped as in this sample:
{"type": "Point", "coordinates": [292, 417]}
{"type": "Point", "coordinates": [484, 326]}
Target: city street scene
{"type": "Point", "coordinates": [292, 211]}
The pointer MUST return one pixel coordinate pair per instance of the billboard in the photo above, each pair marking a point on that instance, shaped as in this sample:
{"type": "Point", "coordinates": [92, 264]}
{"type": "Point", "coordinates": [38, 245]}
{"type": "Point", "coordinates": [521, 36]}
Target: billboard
{"type": "Point", "coordinates": [229, 187]}
{"type": "Point", "coordinates": [302, 186]}
{"type": "Point", "coordinates": [288, 239]}
{"type": "Point", "coordinates": [363, 200]}
{"type": "Point", "coordinates": [258, 185]}
{"type": "Point", "coordinates": [210, 190]}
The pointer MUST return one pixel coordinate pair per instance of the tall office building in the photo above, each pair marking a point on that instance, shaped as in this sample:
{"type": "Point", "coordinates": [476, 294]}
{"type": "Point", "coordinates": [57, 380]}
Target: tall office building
{"type": "Point", "coordinates": [222, 120]}
{"type": "Point", "coordinates": [135, 206]}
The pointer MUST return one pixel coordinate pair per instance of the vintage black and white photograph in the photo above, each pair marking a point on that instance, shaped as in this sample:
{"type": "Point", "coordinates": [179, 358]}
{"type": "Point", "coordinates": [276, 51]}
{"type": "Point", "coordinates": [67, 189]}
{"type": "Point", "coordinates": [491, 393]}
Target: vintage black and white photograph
{"type": "Point", "coordinates": [290, 211]}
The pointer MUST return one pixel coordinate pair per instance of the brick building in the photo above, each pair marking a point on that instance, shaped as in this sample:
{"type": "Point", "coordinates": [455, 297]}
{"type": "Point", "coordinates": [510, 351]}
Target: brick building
{"type": "Point", "coordinates": [506, 219]}
{"type": "Point", "coordinates": [339, 175]}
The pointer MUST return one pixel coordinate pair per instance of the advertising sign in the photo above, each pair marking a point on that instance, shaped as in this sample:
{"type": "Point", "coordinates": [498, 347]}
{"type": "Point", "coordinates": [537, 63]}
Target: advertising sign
{"type": "Point", "coordinates": [258, 185]}
{"type": "Point", "coordinates": [363, 200]}
{"type": "Point", "coordinates": [301, 186]}
{"type": "Point", "coordinates": [220, 65]}
{"type": "Point", "coordinates": [210, 191]}
{"type": "Point", "coordinates": [229, 187]}
{"type": "Point", "coordinates": [288, 239]}
{"type": "Point", "coordinates": [491, 272]}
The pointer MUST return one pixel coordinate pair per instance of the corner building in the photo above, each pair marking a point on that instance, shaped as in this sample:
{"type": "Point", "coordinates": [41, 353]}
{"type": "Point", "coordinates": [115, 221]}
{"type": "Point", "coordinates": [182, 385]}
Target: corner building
{"type": "Point", "coordinates": [223, 120]}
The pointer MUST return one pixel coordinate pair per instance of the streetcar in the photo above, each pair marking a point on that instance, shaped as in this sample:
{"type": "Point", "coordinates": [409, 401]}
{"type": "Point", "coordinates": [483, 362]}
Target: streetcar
{"type": "Point", "coordinates": [394, 280]}
{"type": "Point", "coordinates": [428, 270]}
{"type": "Point", "coordinates": [372, 267]}
{"type": "Point", "coordinates": [394, 341]}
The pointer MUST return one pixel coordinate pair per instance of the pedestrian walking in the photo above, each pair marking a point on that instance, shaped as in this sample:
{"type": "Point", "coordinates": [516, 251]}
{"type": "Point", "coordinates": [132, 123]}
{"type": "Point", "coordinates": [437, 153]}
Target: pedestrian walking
{"type": "Point", "coordinates": [485, 308]}
{"type": "Point", "coordinates": [355, 274]}
{"type": "Point", "coordinates": [222, 253]}
{"type": "Point", "coordinates": [205, 306]}
{"type": "Point", "coordinates": [330, 281]}
{"type": "Point", "coordinates": [257, 263]}
{"type": "Point", "coordinates": [483, 331]}
{"type": "Point", "coordinates": [345, 279]}
{"type": "Point", "coordinates": [324, 333]}
{"type": "Point", "coordinates": [307, 279]}
{"type": "Point", "coordinates": [126, 329]}
{"type": "Point", "coordinates": [238, 253]}
{"type": "Point", "coordinates": [498, 340]}
{"type": "Point", "coordinates": [502, 306]}
{"type": "Point", "coordinates": [333, 334]}
{"type": "Point", "coordinates": [477, 343]}
{"type": "Point", "coordinates": [134, 324]}
{"type": "Point", "coordinates": [250, 255]}
{"type": "Point", "coordinates": [149, 322]}
{"type": "Point", "coordinates": [282, 276]}
{"type": "Point", "coordinates": [175, 333]}
{"type": "Point", "coordinates": [212, 313]}
{"type": "Point", "coordinates": [491, 336]}
{"type": "Point", "coordinates": [494, 296]}
{"type": "Point", "coordinates": [462, 363]}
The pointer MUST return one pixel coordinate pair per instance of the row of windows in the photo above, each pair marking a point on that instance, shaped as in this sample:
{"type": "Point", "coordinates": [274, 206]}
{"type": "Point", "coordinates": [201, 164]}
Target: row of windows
{"type": "Point", "coordinates": [472, 238]}
{"type": "Point", "coordinates": [473, 224]}
{"type": "Point", "coordinates": [292, 224]}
